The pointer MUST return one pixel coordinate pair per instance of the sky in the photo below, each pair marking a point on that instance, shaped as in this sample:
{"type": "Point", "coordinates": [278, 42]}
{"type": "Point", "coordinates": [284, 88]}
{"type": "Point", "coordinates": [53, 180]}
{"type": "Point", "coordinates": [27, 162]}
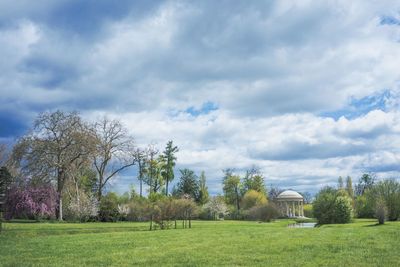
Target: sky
{"type": "Point", "coordinates": [306, 90]}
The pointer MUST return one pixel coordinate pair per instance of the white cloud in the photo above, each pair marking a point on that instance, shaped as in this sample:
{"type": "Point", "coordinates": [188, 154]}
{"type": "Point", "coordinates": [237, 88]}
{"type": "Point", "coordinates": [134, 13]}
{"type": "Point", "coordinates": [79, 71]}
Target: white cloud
{"type": "Point", "coordinates": [270, 68]}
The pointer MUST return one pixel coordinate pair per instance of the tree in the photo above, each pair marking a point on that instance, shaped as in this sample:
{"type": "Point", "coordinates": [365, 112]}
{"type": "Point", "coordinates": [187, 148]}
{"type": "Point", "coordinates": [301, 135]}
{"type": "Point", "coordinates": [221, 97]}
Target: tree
{"type": "Point", "coordinates": [170, 161]}
{"type": "Point", "coordinates": [253, 198]}
{"type": "Point", "coordinates": [307, 197]}
{"type": "Point", "coordinates": [340, 183]}
{"type": "Point", "coordinates": [5, 181]}
{"type": "Point", "coordinates": [349, 187]}
{"type": "Point", "coordinates": [216, 207]}
{"type": "Point", "coordinates": [188, 184]}
{"type": "Point", "coordinates": [142, 160]}
{"type": "Point", "coordinates": [109, 208]}
{"type": "Point", "coordinates": [273, 193]}
{"type": "Point", "coordinates": [203, 189]}
{"type": "Point", "coordinates": [154, 170]}
{"type": "Point", "coordinates": [332, 206]}
{"type": "Point", "coordinates": [380, 211]}
{"type": "Point", "coordinates": [231, 187]}
{"type": "Point", "coordinates": [388, 191]}
{"type": "Point", "coordinates": [254, 180]}
{"type": "Point", "coordinates": [57, 141]}
{"type": "Point", "coordinates": [365, 182]}
{"type": "Point", "coordinates": [114, 151]}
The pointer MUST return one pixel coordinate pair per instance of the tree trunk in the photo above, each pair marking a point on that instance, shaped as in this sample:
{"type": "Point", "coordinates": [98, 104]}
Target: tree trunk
{"type": "Point", "coordinates": [151, 222]}
{"type": "Point", "coordinates": [166, 188]}
{"type": "Point", "coordinates": [60, 217]}
{"type": "Point", "coordinates": [141, 187]}
{"type": "Point", "coordinates": [1, 221]}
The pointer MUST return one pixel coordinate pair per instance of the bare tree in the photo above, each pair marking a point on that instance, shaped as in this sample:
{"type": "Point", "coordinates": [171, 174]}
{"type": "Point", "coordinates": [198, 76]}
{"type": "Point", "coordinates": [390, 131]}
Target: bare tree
{"type": "Point", "coordinates": [57, 141]}
{"type": "Point", "coordinates": [114, 151]}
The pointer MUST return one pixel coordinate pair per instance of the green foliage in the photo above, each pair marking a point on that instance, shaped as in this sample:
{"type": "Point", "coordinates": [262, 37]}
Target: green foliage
{"type": "Point", "coordinates": [203, 190]}
{"type": "Point", "coordinates": [5, 181]}
{"type": "Point", "coordinates": [109, 208]}
{"type": "Point", "coordinates": [388, 191]}
{"type": "Point", "coordinates": [364, 205]}
{"type": "Point", "coordinates": [366, 182]}
{"type": "Point", "coordinates": [308, 210]}
{"type": "Point", "coordinates": [170, 160]}
{"type": "Point", "coordinates": [188, 184]}
{"type": "Point", "coordinates": [349, 187]}
{"type": "Point", "coordinates": [254, 180]}
{"type": "Point", "coordinates": [232, 187]}
{"type": "Point", "coordinates": [253, 198]}
{"type": "Point", "coordinates": [332, 206]}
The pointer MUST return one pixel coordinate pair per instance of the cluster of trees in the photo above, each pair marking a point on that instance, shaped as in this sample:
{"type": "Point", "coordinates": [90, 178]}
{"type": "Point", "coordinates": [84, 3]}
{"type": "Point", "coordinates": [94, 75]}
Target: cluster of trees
{"type": "Point", "coordinates": [369, 199]}
{"type": "Point", "coordinates": [247, 196]}
{"type": "Point", "coordinates": [77, 159]}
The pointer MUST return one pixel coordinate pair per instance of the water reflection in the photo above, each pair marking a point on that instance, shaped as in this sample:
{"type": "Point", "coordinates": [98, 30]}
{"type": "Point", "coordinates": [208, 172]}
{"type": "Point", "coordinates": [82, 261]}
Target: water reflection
{"type": "Point", "coordinates": [301, 225]}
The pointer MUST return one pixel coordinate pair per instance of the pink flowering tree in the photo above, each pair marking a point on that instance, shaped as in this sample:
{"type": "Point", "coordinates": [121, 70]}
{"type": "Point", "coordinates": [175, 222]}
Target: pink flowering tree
{"type": "Point", "coordinates": [28, 202]}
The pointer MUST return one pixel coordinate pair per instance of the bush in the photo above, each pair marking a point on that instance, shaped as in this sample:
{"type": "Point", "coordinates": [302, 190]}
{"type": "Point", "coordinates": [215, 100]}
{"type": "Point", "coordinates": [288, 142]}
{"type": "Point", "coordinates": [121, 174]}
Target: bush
{"type": "Point", "coordinates": [264, 212]}
{"type": "Point", "coordinates": [330, 206]}
{"type": "Point", "coordinates": [109, 208]}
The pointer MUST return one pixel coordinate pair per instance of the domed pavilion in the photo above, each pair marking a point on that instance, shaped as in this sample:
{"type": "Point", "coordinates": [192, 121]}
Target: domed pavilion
{"type": "Point", "coordinates": [290, 203]}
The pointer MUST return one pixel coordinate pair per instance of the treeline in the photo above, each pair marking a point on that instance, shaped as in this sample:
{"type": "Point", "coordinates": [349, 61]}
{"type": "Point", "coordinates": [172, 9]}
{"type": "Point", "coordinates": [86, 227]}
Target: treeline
{"type": "Point", "coordinates": [369, 199]}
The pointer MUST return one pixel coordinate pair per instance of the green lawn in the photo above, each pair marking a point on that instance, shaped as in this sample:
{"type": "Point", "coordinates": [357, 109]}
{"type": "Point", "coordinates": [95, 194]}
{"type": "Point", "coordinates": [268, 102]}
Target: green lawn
{"type": "Point", "coordinates": [219, 243]}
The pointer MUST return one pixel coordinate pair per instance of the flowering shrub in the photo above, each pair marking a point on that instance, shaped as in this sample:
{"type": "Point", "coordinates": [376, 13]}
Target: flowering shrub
{"type": "Point", "coordinates": [31, 203]}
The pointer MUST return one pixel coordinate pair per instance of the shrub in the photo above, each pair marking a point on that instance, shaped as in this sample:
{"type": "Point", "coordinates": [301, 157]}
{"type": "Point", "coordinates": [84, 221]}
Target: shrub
{"type": "Point", "coordinates": [253, 198]}
{"type": "Point", "coordinates": [109, 208]}
{"type": "Point", "coordinates": [330, 206]}
{"type": "Point", "coordinates": [264, 212]}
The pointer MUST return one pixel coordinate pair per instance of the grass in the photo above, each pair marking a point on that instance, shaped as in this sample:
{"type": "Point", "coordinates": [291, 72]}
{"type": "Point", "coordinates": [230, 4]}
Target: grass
{"type": "Point", "coordinates": [222, 243]}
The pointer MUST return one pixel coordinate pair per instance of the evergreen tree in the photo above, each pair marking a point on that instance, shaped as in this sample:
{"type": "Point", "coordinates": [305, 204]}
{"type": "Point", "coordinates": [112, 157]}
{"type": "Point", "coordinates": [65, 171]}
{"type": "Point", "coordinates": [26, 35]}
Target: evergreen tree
{"type": "Point", "coordinates": [170, 161]}
{"type": "Point", "coordinates": [188, 184]}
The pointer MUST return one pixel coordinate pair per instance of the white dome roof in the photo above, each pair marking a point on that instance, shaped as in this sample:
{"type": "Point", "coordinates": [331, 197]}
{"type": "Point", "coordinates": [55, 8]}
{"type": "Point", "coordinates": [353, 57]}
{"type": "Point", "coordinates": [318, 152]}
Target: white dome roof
{"type": "Point", "coordinates": [289, 194]}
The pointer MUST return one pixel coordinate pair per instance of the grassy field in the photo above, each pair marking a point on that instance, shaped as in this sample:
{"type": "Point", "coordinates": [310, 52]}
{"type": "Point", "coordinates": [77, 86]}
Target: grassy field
{"type": "Point", "coordinates": [222, 243]}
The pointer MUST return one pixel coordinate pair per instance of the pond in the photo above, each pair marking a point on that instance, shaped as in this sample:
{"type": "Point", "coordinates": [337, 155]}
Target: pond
{"type": "Point", "coordinates": [302, 225]}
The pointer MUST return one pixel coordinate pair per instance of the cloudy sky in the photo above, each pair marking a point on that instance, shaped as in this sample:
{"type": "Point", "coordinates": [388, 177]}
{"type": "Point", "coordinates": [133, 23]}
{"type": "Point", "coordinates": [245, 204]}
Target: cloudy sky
{"type": "Point", "coordinates": [306, 90]}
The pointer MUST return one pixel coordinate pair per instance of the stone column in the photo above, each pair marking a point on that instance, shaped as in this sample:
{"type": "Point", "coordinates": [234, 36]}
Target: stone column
{"type": "Point", "coordinates": [287, 208]}
{"type": "Point", "coordinates": [294, 210]}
